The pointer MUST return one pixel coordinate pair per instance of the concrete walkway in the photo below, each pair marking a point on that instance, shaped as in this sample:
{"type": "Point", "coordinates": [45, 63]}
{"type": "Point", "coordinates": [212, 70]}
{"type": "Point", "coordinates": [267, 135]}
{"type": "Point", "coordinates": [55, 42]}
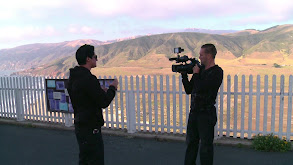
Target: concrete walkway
{"type": "Point", "coordinates": [26, 145]}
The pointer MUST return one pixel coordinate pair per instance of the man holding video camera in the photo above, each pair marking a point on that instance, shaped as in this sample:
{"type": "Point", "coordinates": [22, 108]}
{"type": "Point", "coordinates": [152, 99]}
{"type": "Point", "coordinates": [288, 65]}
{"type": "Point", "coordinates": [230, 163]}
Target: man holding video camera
{"type": "Point", "coordinates": [88, 99]}
{"type": "Point", "coordinates": [203, 87]}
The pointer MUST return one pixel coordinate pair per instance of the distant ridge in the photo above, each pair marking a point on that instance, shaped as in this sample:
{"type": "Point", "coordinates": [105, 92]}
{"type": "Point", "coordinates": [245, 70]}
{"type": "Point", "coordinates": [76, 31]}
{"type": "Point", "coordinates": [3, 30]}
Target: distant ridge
{"type": "Point", "coordinates": [77, 43]}
{"type": "Point", "coordinates": [209, 31]}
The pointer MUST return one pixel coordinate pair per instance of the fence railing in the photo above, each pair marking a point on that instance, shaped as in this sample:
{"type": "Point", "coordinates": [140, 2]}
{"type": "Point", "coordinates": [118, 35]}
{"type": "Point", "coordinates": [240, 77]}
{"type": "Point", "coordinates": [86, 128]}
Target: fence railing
{"type": "Point", "coordinates": [159, 104]}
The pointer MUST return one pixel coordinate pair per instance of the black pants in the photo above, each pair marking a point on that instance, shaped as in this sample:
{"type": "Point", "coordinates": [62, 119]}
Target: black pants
{"type": "Point", "coordinates": [200, 128]}
{"type": "Point", "coordinates": [91, 146]}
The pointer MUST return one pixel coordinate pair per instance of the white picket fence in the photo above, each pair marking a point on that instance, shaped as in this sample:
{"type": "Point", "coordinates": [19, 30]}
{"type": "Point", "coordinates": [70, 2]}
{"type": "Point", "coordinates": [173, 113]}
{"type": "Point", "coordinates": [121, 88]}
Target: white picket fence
{"type": "Point", "coordinates": [159, 104]}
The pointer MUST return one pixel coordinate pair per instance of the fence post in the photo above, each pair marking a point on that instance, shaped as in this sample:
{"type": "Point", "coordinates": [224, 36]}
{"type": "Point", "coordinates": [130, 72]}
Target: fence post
{"type": "Point", "coordinates": [131, 121]}
{"type": "Point", "coordinates": [216, 137]}
{"type": "Point", "coordinates": [19, 103]}
{"type": "Point", "coordinates": [68, 120]}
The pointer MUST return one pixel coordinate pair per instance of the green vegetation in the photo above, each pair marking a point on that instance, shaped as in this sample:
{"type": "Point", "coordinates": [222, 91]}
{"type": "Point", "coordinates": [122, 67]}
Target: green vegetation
{"type": "Point", "coordinates": [239, 145]}
{"type": "Point", "coordinates": [277, 65]}
{"type": "Point", "coordinates": [30, 125]}
{"type": "Point", "coordinates": [270, 143]}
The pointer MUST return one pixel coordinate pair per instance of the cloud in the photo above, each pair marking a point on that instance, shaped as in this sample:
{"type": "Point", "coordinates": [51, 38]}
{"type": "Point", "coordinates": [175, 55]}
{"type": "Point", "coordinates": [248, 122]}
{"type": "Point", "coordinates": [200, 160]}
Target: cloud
{"type": "Point", "coordinates": [83, 30]}
{"type": "Point", "coordinates": [134, 8]}
{"type": "Point", "coordinates": [11, 33]}
{"type": "Point", "coordinates": [14, 9]}
{"type": "Point", "coordinates": [264, 12]}
{"type": "Point", "coordinates": [172, 8]}
{"type": "Point", "coordinates": [26, 20]}
{"type": "Point", "coordinates": [148, 9]}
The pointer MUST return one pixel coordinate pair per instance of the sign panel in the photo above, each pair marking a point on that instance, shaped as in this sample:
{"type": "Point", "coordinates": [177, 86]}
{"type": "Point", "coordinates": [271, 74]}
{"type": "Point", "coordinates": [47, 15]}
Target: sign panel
{"type": "Point", "coordinates": [57, 96]}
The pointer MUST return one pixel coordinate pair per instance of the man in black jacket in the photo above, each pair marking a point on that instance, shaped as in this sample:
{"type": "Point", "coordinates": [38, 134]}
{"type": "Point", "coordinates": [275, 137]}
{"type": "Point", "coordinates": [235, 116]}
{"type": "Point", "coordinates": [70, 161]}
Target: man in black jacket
{"type": "Point", "coordinates": [203, 88]}
{"type": "Point", "coordinates": [88, 99]}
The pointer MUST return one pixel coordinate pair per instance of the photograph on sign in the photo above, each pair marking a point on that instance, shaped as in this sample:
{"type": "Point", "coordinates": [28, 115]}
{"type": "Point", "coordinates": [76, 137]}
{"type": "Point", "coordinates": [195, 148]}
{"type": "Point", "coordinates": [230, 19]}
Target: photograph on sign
{"type": "Point", "coordinates": [60, 85]}
{"type": "Point", "coordinates": [70, 108]}
{"type": "Point", "coordinates": [63, 98]}
{"type": "Point", "coordinates": [63, 106]}
{"type": "Point", "coordinates": [51, 84]}
{"type": "Point", "coordinates": [50, 93]}
{"type": "Point", "coordinates": [57, 95]}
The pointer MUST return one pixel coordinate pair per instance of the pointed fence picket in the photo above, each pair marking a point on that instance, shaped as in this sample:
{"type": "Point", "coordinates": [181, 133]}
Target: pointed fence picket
{"type": "Point", "coordinates": [260, 105]}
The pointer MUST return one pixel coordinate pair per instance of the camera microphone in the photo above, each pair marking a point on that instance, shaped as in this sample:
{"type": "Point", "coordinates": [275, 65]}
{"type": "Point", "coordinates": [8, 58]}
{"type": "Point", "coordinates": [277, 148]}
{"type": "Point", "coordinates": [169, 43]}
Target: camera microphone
{"type": "Point", "coordinates": [172, 59]}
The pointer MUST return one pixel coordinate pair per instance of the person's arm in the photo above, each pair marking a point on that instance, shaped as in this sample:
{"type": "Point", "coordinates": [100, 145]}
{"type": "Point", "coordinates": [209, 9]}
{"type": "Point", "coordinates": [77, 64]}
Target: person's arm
{"type": "Point", "coordinates": [100, 97]}
{"type": "Point", "coordinates": [188, 85]}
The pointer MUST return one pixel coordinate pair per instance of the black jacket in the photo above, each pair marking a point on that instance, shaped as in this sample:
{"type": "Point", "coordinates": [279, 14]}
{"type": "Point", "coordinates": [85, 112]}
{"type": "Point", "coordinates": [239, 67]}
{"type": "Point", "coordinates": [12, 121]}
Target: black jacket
{"type": "Point", "coordinates": [203, 87]}
{"type": "Point", "coordinates": [88, 98]}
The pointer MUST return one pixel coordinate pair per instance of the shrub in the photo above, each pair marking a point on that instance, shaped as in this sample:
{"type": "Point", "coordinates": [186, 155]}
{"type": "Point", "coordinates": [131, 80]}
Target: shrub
{"type": "Point", "coordinates": [277, 65]}
{"type": "Point", "coordinates": [270, 143]}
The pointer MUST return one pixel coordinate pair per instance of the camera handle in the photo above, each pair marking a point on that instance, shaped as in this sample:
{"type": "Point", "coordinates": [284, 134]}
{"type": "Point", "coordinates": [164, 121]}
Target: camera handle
{"type": "Point", "coordinates": [172, 59]}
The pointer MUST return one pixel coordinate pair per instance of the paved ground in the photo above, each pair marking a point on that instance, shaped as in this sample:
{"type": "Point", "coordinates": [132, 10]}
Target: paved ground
{"type": "Point", "coordinates": [21, 145]}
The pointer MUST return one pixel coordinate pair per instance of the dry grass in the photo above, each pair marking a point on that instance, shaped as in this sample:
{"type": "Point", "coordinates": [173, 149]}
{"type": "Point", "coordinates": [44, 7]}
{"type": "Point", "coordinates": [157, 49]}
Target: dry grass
{"type": "Point", "coordinates": [159, 65]}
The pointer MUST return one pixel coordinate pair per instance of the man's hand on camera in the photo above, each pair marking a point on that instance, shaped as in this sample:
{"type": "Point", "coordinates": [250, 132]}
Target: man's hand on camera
{"type": "Point", "coordinates": [114, 83]}
{"type": "Point", "coordinates": [196, 69]}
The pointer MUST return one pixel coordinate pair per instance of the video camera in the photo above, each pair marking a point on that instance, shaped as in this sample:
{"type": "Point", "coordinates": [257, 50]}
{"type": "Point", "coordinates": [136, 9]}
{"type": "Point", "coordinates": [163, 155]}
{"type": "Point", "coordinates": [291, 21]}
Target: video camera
{"type": "Point", "coordinates": [186, 67]}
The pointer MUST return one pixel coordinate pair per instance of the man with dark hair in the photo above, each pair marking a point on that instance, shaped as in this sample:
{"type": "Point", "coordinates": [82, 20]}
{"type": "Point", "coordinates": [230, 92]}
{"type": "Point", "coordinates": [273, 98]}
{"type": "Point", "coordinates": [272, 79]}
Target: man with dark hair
{"type": "Point", "coordinates": [88, 99]}
{"type": "Point", "coordinates": [203, 87]}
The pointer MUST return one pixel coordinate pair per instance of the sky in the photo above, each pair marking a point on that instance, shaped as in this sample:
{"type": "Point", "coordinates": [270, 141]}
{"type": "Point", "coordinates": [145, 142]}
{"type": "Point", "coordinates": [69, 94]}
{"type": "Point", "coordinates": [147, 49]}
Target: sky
{"type": "Point", "coordinates": [50, 21]}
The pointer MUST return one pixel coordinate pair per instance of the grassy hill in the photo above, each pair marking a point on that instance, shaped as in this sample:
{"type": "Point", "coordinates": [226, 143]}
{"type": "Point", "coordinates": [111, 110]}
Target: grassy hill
{"type": "Point", "coordinates": [149, 53]}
